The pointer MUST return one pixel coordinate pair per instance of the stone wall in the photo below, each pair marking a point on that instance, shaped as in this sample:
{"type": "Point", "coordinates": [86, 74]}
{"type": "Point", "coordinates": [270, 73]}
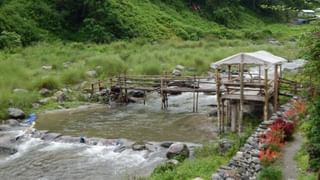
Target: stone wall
{"type": "Point", "coordinates": [246, 163]}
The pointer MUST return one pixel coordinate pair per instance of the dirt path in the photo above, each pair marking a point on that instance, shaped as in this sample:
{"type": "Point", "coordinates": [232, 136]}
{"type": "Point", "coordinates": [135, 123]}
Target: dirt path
{"type": "Point", "coordinates": [289, 167]}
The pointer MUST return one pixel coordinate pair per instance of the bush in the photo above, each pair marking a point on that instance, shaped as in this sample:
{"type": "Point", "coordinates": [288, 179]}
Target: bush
{"type": "Point", "coordinates": [313, 135]}
{"type": "Point", "coordinates": [226, 16]}
{"type": "Point", "coordinates": [269, 173]}
{"type": "Point", "coordinates": [256, 35]}
{"type": "Point", "coordinates": [10, 40]}
{"type": "Point", "coordinates": [72, 76]}
{"type": "Point", "coordinates": [47, 82]}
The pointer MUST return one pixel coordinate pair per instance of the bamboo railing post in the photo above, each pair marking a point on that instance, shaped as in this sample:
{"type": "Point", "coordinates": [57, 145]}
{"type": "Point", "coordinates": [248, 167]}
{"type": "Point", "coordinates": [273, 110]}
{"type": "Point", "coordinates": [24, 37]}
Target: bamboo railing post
{"type": "Point", "coordinates": [161, 93]}
{"type": "Point", "coordinates": [194, 95]}
{"type": "Point", "coordinates": [197, 100]}
{"type": "Point", "coordinates": [144, 97]}
{"type": "Point", "coordinates": [125, 88]}
{"type": "Point", "coordinates": [266, 96]}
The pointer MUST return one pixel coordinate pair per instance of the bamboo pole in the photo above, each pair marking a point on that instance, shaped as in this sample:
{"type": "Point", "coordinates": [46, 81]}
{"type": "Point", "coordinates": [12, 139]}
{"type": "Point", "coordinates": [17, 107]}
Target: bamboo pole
{"type": "Point", "coordinates": [144, 97]}
{"type": "Point", "coordinates": [161, 93]}
{"type": "Point", "coordinates": [241, 99]}
{"type": "Point", "coordinates": [266, 95]}
{"type": "Point", "coordinates": [92, 89]}
{"type": "Point", "coordinates": [229, 72]}
{"type": "Point", "coordinates": [194, 95]}
{"type": "Point", "coordinates": [276, 88]}
{"type": "Point", "coordinates": [259, 73]}
{"type": "Point", "coordinates": [125, 88]}
{"type": "Point", "coordinates": [218, 98]}
{"type": "Point", "coordinates": [223, 115]}
{"type": "Point", "coordinates": [197, 105]}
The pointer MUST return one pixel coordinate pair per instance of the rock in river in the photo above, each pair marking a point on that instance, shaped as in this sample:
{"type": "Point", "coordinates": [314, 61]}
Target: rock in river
{"type": "Point", "coordinates": [178, 150]}
{"type": "Point", "coordinates": [16, 113]}
{"type": "Point", "coordinates": [138, 146]}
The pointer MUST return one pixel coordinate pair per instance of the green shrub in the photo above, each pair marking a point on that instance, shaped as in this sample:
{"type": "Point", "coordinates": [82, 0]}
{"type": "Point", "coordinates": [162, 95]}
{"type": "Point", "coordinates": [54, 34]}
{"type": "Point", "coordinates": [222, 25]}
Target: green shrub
{"type": "Point", "coordinates": [269, 173]}
{"type": "Point", "coordinates": [257, 34]}
{"type": "Point", "coordinates": [226, 16]}
{"type": "Point", "coordinates": [313, 135]}
{"type": "Point", "coordinates": [10, 40]}
{"type": "Point", "coordinates": [47, 82]}
{"type": "Point", "coordinates": [151, 69]}
{"type": "Point", "coordinates": [72, 76]}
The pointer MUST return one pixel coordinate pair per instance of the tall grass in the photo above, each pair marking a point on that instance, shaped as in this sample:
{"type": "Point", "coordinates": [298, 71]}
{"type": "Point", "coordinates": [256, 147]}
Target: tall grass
{"type": "Point", "coordinates": [22, 68]}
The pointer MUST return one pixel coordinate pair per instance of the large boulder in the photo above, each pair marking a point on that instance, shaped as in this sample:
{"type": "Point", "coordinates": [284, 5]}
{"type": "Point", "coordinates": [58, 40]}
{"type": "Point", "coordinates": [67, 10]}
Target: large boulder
{"type": "Point", "coordinates": [16, 113]}
{"type": "Point", "coordinates": [60, 96]}
{"type": "Point", "coordinates": [225, 145]}
{"type": "Point", "coordinates": [178, 151]}
{"type": "Point", "coordinates": [4, 150]}
{"type": "Point", "coordinates": [176, 72]}
{"type": "Point", "coordinates": [92, 73]}
{"type": "Point", "coordinates": [12, 122]}
{"type": "Point", "coordinates": [138, 146]}
{"type": "Point", "coordinates": [44, 92]}
{"type": "Point", "coordinates": [180, 67]}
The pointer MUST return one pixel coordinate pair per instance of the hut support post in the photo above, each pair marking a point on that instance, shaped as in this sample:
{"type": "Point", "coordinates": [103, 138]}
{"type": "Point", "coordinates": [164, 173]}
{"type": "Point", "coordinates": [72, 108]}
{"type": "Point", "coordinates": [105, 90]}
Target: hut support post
{"type": "Point", "coordinates": [276, 88]}
{"type": "Point", "coordinates": [266, 96]}
{"type": "Point", "coordinates": [234, 113]}
{"type": "Point", "coordinates": [218, 98]}
{"type": "Point", "coordinates": [229, 72]}
{"type": "Point", "coordinates": [241, 98]}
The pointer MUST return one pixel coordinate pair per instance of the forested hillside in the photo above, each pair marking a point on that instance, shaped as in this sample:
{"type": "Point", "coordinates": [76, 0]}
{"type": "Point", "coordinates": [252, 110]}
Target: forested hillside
{"type": "Point", "coordinates": [23, 22]}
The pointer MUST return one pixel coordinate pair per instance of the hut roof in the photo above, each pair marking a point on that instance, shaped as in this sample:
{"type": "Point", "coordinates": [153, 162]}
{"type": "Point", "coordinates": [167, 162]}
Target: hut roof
{"type": "Point", "coordinates": [259, 58]}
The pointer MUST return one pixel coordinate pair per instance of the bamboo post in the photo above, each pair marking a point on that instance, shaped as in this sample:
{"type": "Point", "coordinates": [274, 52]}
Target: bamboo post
{"type": "Point", "coordinates": [241, 99]}
{"type": "Point", "coordinates": [276, 88]}
{"type": "Point", "coordinates": [92, 89]}
{"type": "Point", "coordinates": [144, 97]}
{"type": "Point", "coordinates": [161, 93]}
{"type": "Point", "coordinates": [218, 98]}
{"type": "Point", "coordinates": [259, 73]}
{"type": "Point", "coordinates": [110, 79]}
{"type": "Point", "coordinates": [266, 95]}
{"type": "Point", "coordinates": [222, 115]}
{"type": "Point", "coordinates": [125, 88]}
{"type": "Point", "coordinates": [229, 72]}
{"type": "Point", "coordinates": [234, 113]}
{"type": "Point", "coordinates": [197, 100]}
{"type": "Point", "coordinates": [194, 95]}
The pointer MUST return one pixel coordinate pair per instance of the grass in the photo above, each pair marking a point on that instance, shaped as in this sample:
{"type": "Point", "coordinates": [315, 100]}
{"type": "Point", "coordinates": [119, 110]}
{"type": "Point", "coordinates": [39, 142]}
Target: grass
{"type": "Point", "coordinates": [271, 172]}
{"type": "Point", "coordinates": [22, 67]}
{"type": "Point", "coordinates": [207, 159]}
{"type": "Point", "coordinates": [302, 159]}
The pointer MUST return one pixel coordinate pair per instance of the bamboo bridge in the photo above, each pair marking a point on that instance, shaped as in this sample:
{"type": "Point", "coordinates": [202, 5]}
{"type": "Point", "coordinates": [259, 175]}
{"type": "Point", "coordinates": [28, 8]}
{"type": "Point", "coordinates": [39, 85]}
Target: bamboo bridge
{"type": "Point", "coordinates": [233, 84]}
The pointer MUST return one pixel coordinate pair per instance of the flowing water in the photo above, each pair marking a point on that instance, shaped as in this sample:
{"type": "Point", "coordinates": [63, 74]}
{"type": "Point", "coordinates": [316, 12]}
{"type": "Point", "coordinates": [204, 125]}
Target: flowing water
{"type": "Point", "coordinates": [138, 122]}
{"type": "Point", "coordinates": [45, 160]}
{"type": "Point", "coordinates": [37, 159]}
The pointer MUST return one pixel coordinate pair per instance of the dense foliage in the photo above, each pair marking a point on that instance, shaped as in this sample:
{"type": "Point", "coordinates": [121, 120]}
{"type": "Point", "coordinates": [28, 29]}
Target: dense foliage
{"type": "Point", "coordinates": [103, 21]}
{"type": "Point", "coordinates": [313, 135]}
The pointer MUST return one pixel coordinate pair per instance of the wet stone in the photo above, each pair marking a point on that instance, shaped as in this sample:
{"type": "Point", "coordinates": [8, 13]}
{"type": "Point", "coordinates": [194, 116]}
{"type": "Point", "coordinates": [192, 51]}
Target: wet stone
{"type": "Point", "coordinates": [166, 144]}
{"type": "Point", "coordinates": [50, 136]}
{"type": "Point", "coordinates": [138, 146]}
{"type": "Point", "coordinates": [119, 149]}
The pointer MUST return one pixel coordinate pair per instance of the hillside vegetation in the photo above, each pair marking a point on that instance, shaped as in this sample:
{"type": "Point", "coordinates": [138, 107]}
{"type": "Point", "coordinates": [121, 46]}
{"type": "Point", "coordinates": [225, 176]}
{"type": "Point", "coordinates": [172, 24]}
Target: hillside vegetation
{"type": "Point", "coordinates": [24, 22]}
{"type": "Point", "coordinates": [137, 36]}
